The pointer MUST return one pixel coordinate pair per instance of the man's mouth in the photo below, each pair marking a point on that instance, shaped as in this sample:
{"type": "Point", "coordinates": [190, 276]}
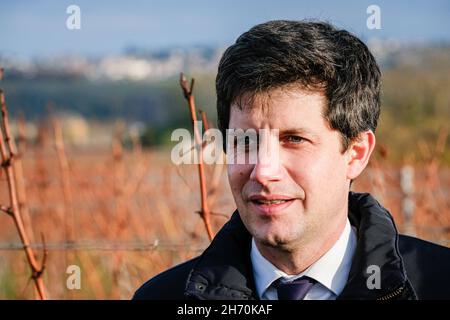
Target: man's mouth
{"type": "Point", "coordinates": [270, 204]}
{"type": "Point", "coordinates": [269, 199]}
{"type": "Point", "coordinates": [276, 201]}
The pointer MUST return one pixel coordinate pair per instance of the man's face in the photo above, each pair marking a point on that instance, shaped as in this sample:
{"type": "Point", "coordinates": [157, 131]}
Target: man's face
{"type": "Point", "coordinates": [299, 193]}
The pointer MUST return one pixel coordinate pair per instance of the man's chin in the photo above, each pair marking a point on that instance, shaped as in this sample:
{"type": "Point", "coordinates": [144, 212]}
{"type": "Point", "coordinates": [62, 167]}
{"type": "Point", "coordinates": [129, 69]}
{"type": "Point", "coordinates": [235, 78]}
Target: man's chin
{"type": "Point", "coordinates": [271, 239]}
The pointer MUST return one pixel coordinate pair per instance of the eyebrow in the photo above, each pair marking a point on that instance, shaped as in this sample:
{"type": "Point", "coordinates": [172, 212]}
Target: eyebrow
{"type": "Point", "coordinates": [301, 131]}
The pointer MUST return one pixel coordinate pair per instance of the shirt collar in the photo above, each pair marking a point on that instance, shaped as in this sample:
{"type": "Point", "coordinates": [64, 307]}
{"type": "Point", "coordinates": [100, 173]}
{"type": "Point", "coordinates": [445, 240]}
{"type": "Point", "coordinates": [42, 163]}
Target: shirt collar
{"type": "Point", "coordinates": [331, 270]}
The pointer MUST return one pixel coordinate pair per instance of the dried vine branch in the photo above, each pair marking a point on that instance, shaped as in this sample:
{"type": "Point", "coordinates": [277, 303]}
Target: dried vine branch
{"type": "Point", "coordinates": [204, 211]}
{"type": "Point", "coordinates": [64, 172]}
{"type": "Point", "coordinates": [7, 152]}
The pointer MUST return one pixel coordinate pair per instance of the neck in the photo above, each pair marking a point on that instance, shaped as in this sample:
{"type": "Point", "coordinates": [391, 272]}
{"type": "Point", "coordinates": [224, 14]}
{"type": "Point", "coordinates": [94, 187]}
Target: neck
{"type": "Point", "coordinates": [297, 258]}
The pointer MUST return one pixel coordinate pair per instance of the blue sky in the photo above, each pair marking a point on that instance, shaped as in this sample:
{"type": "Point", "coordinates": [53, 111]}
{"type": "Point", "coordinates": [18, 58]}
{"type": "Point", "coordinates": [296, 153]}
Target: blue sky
{"type": "Point", "coordinates": [35, 28]}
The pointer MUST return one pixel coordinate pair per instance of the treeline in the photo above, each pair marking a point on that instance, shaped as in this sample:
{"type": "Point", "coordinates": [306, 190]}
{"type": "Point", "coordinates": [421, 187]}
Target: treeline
{"type": "Point", "coordinates": [416, 105]}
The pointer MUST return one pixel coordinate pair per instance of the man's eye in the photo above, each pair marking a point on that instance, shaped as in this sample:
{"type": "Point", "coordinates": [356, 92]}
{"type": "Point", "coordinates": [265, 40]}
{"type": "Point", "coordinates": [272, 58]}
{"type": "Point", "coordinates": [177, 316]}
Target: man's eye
{"type": "Point", "coordinates": [294, 139]}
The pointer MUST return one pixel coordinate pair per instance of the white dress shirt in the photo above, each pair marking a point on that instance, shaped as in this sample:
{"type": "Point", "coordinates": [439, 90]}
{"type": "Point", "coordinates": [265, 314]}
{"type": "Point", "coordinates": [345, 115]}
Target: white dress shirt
{"type": "Point", "coordinates": [330, 271]}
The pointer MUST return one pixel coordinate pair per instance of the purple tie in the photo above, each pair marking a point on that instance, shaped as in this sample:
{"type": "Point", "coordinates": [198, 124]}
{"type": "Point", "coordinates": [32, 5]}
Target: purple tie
{"type": "Point", "coordinates": [294, 290]}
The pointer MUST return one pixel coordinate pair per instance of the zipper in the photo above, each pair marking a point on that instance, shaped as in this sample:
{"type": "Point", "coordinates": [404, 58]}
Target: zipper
{"type": "Point", "coordinates": [393, 294]}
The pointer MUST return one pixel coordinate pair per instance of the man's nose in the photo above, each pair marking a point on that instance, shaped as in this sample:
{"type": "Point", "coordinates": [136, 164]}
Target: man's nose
{"type": "Point", "coordinates": [268, 164]}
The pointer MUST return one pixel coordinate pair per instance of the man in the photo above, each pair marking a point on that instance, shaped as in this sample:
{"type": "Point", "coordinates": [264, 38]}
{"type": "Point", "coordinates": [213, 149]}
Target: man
{"type": "Point", "coordinates": [298, 232]}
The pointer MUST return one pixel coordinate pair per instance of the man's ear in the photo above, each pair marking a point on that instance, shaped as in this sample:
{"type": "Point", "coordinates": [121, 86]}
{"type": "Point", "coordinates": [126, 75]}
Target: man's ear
{"type": "Point", "coordinates": [358, 153]}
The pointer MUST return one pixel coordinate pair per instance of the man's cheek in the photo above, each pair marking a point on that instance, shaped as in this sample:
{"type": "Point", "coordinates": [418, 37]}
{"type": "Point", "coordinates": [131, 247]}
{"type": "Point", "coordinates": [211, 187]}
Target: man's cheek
{"type": "Point", "coordinates": [233, 171]}
{"type": "Point", "coordinates": [235, 185]}
{"type": "Point", "coordinates": [237, 174]}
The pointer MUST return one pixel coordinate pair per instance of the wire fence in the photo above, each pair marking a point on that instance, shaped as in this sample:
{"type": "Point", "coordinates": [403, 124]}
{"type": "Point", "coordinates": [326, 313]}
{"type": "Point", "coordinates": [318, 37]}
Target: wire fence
{"type": "Point", "coordinates": [132, 246]}
{"type": "Point", "coordinates": [109, 246]}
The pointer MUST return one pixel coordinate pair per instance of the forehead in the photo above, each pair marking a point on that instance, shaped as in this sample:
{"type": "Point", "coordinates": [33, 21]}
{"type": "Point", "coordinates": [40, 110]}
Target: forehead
{"type": "Point", "coordinates": [280, 108]}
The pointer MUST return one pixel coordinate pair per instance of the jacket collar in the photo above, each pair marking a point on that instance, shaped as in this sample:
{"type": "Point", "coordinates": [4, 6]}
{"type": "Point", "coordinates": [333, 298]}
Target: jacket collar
{"type": "Point", "coordinates": [376, 250]}
{"type": "Point", "coordinates": [224, 270]}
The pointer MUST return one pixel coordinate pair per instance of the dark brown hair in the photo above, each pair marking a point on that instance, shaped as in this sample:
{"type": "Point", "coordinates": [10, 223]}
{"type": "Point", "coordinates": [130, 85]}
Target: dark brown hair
{"type": "Point", "coordinates": [313, 54]}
